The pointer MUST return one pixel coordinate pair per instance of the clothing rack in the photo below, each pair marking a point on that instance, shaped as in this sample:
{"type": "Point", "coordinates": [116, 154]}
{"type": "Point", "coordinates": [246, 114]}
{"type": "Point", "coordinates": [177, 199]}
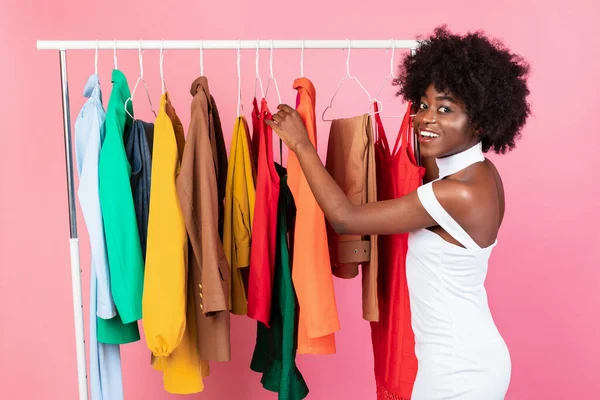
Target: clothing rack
{"type": "Point", "coordinates": [63, 45]}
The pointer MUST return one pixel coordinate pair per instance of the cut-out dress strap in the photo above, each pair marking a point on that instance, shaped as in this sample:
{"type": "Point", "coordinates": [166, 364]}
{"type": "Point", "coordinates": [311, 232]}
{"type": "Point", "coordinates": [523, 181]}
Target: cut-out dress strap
{"type": "Point", "coordinates": [443, 219]}
{"type": "Point", "coordinates": [380, 136]}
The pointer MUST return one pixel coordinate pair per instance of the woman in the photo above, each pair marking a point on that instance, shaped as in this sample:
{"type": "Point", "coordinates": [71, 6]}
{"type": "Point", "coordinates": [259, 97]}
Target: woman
{"type": "Point", "coordinates": [469, 95]}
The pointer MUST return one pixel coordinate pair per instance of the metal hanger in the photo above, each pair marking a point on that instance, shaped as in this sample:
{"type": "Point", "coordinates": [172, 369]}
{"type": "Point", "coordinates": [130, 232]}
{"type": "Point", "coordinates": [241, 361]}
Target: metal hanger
{"type": "Point", "coordinates": [258, 80]}
{"type": "Point", "coordinates": [272, 77]}
{"type": "Point", "coordinates": [385, 81]}
{"type": "Point", "coordinates": [391, 75]}
{"type": "Point", "coordinates": [96, 59]}
{"type": "Point", "coordinates": [140, 79]}
{"type": "Point", "coordinates": [162, 75]}
{"type": "Point", "coordinates": [349, 76]}
{"type": "Point", "coordinates": [302, 60]}
{"type": "Point", "coordinates": [202, 58]}
{"type": "Point", "coordinates": [240, 106]}
{"type": "Point", "coordinates": [115, 54]}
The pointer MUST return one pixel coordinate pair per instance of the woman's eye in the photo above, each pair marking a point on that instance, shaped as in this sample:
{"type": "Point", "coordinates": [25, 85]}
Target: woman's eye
{"type": "Point", "coordinates": [444, 109]}
{"type": "Point", "coordinates": [422, 106]}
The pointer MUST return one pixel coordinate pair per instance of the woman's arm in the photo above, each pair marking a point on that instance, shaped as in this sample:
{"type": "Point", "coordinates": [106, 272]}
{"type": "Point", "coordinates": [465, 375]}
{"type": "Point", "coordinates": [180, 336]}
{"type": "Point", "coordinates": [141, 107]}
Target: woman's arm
{"type": "Point", "coordinates": [400, 215]}
{"type": "Point", "coordinates": [431, 169]}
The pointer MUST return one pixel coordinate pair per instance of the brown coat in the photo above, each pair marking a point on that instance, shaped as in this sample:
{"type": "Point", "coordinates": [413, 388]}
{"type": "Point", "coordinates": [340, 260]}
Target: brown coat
{"type": "Point", "coordinates": [201, 189]}
{"type": "Point", "coordinates": [351, 162]}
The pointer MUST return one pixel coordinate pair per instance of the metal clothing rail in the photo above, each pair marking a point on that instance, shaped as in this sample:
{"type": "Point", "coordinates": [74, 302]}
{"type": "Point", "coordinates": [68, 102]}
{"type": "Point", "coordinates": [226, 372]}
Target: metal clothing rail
{"type": "Point", "coordinates": [222, 44]}
{"type": "Point", "coordinates": [63, 45]}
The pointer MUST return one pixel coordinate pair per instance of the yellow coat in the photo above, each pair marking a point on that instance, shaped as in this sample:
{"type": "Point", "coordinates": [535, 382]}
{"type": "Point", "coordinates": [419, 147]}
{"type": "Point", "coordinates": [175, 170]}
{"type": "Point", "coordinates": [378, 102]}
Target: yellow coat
{"type": "Point", "coordinates": [240, 192]}
{"type": "Point", "coordinates": [165, 307]}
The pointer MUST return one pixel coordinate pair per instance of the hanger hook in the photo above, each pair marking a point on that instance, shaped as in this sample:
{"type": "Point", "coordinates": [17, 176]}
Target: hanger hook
{"type": "Point", "coordinates": [239, 56]}
{"type": "Point", "coordinates": [272, 76]}
{"type": "Point", "coordinates": [141, 60]}
{"type": "Point", "coordinates": [256, 58]}
{"type": "Point", "coordinates": [202, 57]}
{"type": "Point", "coordinates": [162, 75]}
{"type": "Point", "coordinates": [115, 53]}
{"type": "Point", "coordinates": [302, 60]}
{"type": "Point", "coordinates": [96, 59]}
{"type": "Point", "coordinates": [391, 75]}
{"type": "Point", "coordinates": [348, 57]}
{"type": "Point", "coordinates": [258, 80]}
{"type": "Point", "coordinates": [271, 60]}
{"type": "Point", "coordinates": [239, 75]}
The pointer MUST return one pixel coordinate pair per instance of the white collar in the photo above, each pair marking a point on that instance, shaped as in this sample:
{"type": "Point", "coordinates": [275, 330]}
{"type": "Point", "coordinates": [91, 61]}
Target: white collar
{"type": "Point", "coordinates": [457, 162]}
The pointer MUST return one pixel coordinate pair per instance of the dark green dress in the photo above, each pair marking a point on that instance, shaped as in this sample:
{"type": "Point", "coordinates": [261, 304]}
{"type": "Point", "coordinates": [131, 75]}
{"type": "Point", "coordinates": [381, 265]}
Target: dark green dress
{"type": "Point", "coordinates": [275, 351]}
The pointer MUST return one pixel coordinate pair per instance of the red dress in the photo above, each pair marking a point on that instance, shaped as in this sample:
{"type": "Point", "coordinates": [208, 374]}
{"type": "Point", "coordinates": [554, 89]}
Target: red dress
{"type": "Point", "coordinates": [262, 248]}
{"type": "Point", "coordinates": [393, 337]}
{"type": "Point", "coordinates": [256, 123]}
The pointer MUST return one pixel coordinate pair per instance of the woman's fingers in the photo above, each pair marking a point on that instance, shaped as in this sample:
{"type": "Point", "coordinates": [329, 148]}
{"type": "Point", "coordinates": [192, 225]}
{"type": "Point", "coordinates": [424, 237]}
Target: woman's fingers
{"type": "Point", "coordinates": [277, 118]}
{"type": "Point", "coordinates": [285, 108]}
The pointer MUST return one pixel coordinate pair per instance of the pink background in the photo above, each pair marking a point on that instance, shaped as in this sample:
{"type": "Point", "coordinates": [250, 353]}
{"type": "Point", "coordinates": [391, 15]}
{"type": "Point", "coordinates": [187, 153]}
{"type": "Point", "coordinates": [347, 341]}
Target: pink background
{"type": "Point", "coordinates": [544, 279]}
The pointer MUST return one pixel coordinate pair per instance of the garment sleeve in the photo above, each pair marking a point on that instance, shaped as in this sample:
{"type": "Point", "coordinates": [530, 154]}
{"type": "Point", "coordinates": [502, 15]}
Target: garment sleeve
{"type": "Point", "coordinates": [184, 371]}
{"type": "Point", "coordinates": [311, 271]}
{"type": "Point", "coordinates": [165, 282]}
{"type": "Point", "coordinates": [87, 136]}
{"type": "Point", "coordinates": [228, 230]}
{"type": "Point", "coordinates": [370, 271]}
{"type": "Point", "coordinates": [243, 233]}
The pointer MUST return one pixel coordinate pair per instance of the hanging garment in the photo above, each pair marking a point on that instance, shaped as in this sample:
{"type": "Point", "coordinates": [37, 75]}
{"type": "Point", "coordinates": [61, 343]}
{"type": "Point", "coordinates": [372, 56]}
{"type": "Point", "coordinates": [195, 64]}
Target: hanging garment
{"type": "Point", "coordinates": [393, 339]}
{"type": "Point", "coordinates": [166, 279]}
{"type": "Point", "coordinates": [255, 130]}
{"type": "Point", "coordinates": [106, 381]}
{"type": "Point", "coordinates": [183, 371]}
{"type": "Point", "coordinates": [311, 270]}
{"type": "Point", "coordinates": [120, 225]}
{"type": "Point", "coordinates": [138, 146]}
{"type": "Point", "coordinates": [351, 162]}
{"type": "Point", "coordinates": [203, 172]}
{"type": "Point", "coordinates": [275, 352]}
{"type": "Point", "coordinates": [262, 253]}
{"type": "Point", "coordinates": [239, 211]}
{"type": "Point", "coordinates": [460, 351]}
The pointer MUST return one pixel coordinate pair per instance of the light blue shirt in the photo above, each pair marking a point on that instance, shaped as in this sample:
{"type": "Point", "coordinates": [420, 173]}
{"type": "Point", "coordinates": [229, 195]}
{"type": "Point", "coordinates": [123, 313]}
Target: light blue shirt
{"type": "Point", "coordinates": [89, 134]}
{"type": "Point", "coordinates": [105, 359]}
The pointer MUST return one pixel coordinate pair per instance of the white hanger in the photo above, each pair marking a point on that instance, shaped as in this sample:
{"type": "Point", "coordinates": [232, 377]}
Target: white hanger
{"type": "Point", "coordinates": [240, 106]}
{"type": "Point", "coordinates": [302, 60]}
{"type": "Point", "coordinates": [96, 59]}
{"type": "Point", "coordinates": [391, 75]}
{"type": "Point", "coordinates": [349, 76]}
{"type": "Point", "coordinates": [272, 77]}
{"type": "Point", "coordinates": [162, 75]}
{"type": "Point", "coordinates": [387, 78]}
{"type": "Point", "coordinates": [202, 58]}
{"type": "Point", "coordinates": [115, 54]}
{"type": "Point", "coordinates": [141, 78]}
{"type": "Point", "coordinates": [257, 79]}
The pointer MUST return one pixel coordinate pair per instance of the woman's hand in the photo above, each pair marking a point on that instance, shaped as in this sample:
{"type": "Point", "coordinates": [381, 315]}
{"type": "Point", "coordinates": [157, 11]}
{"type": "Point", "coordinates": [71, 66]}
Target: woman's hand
{"type": "Point", "coordinates": [289, 126]}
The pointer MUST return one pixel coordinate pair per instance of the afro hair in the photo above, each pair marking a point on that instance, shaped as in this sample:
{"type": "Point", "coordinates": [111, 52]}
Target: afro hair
{"type": "Point", "coordinates": [485, 75]}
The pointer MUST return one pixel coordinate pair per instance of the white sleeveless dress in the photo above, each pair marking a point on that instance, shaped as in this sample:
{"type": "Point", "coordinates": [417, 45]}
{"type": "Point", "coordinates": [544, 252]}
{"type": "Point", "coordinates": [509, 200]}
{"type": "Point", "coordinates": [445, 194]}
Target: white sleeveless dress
{"type": "Point", "coordinates": [461, 355]}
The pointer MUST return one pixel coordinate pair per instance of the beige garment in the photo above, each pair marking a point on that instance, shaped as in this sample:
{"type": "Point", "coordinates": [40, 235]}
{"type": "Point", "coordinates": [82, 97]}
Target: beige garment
{"type": "Point", "coordinates": [351, 162]}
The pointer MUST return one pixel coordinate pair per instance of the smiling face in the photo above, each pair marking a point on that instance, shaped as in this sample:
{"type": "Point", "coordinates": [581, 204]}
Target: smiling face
{"type": "Point", "coordinates": [442, 125]}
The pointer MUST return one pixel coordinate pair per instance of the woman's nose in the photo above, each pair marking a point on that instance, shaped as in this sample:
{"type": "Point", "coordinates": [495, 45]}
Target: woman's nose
{"type": "Point", "coordinates": [429, 116]}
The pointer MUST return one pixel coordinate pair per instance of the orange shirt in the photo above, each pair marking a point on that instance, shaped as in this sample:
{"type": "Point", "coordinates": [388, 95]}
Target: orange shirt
{"type": "Point", "coordinates": [311, 271]}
